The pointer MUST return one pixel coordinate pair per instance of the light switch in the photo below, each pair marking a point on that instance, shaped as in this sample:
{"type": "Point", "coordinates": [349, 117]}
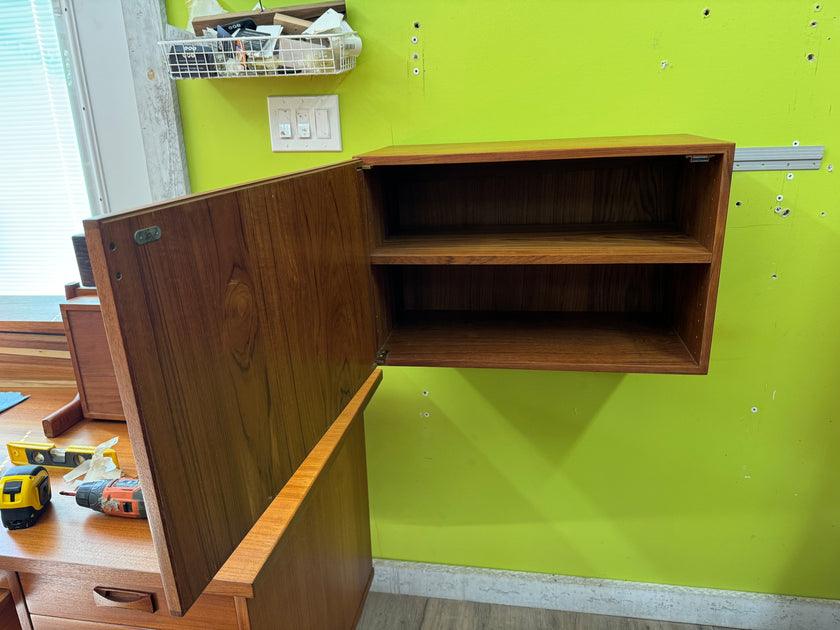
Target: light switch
{"type": "Point", "coordinates": [304, 123]}
{"type": "Point", "coordinates": [322, 123]}
{"type": "Point", "coordinates": [284, 123]}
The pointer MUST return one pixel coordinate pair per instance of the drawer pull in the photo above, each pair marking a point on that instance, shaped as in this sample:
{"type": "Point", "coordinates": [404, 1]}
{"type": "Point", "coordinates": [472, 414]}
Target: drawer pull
{"type": "Point", "coordinates": [116, 598]}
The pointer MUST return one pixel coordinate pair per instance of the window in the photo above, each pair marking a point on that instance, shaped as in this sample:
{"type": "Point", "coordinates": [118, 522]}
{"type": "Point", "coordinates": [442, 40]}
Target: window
{"type": "Point", "coordinates": [43, 198]}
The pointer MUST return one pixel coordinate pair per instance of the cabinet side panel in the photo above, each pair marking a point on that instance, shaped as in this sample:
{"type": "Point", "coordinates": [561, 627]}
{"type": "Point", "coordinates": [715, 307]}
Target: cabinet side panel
{"type": "Point", "coordinates": [239, 336]}
{"type": "Point", "coordinates": [320, 571]}
{"type": "Point", "coordinates": [703, 198]}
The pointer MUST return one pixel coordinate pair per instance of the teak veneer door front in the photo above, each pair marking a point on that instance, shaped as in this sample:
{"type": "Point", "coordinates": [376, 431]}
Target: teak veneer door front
{"type": "Point", "coordinates": [238, 337]}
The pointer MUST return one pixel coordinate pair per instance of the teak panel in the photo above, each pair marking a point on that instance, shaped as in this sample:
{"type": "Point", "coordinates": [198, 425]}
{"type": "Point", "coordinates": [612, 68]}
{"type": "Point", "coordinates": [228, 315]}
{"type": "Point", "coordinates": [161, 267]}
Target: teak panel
{"type": "Point", "coordinates": [237, 337]}
{"type": "Point", "coordinates": [574, 246]}
{"type": "Point", "coordinates": [551, 193]}
{"type": "Point", "coordinates": [564, 148]}
{"type": "Point", "coordinates": [307, 563]}
{"type": "Point", "coordinates": [91, 358]}
{"type": "Point", "coordinates": [540, 341]}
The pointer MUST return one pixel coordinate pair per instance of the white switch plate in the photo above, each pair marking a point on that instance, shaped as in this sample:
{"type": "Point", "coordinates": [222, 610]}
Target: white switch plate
{"type": "Point", "coordinates": [304, 123]}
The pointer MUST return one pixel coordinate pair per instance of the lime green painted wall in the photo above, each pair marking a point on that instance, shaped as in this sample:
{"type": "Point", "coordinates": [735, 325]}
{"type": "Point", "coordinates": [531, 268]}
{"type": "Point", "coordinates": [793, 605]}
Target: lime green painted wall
{"type": "Point", "coordinates": [652, 478]}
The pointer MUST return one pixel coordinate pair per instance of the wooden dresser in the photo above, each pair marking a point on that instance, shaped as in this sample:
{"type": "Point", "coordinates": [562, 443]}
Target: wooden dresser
{"type": "Point", "coordinates": [245, 326]}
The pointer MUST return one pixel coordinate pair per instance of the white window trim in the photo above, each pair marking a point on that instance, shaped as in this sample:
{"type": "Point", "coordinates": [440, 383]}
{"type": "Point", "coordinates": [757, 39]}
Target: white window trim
{"type": "Point", "coordinates": [160, 145]}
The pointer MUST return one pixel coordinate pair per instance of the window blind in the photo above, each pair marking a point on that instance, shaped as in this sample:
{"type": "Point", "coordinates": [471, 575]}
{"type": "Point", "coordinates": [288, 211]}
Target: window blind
{"type": "Point", "coordinates": [42, 192]}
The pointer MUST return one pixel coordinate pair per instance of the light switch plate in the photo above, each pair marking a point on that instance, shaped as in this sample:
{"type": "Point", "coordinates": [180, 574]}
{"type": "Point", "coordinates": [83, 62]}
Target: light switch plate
{"type": "Point", "coordinates": [315, 123]}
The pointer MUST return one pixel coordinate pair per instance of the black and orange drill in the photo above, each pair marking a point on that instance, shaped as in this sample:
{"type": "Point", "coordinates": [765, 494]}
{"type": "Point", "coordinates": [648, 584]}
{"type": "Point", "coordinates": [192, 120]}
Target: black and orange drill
{"type": "Point", "coordinates": [117, 497]}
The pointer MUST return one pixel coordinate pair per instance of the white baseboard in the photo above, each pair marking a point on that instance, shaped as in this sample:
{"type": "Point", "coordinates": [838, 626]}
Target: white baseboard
{"type": "Point", "coordinates": [732, 609]}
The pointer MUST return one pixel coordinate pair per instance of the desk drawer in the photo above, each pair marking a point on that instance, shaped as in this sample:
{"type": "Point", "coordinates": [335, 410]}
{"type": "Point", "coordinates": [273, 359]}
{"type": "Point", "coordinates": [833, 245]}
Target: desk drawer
{"type": "Point", "coordinates": [124, 603]}
{"type": "Point", "coordinates": [53, 623]}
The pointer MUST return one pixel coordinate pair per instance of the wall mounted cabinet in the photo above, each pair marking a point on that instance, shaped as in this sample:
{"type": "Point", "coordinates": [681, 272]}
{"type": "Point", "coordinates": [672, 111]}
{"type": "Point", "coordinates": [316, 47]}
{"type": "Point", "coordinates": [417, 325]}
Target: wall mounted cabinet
{"type": "Point", "coordinates": [598, 254]}
{"type": "Point", "coordinates": [256, 313]}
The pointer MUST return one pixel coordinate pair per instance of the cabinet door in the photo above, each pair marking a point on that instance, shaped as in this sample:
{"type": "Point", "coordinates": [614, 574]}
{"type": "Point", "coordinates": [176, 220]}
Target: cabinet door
{"type": "Point", "coordinates": [240, 326]}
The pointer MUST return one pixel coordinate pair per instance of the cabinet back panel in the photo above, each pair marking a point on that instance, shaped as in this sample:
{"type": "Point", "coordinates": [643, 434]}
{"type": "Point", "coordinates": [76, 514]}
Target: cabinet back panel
{"type": "Point", "coordinates": [566, 288]}
{"type": "Point", "coordinates": [625, 190]}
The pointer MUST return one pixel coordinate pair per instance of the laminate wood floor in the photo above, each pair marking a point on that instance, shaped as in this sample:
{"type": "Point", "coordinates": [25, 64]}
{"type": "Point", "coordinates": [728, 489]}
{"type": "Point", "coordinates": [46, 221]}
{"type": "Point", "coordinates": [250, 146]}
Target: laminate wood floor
{"type": "Point", "coordinates": [405, 612]}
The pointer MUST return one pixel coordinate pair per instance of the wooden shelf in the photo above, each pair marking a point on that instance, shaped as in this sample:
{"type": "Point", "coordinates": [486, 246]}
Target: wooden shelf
{"type": "Point", "coordinates": [600, 244]}
{"type": "Point", "coordinates": [540, 341]}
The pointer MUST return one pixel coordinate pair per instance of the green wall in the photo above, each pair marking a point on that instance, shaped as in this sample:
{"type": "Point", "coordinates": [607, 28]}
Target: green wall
{"type": "Point", "coordinates": [664, 479]}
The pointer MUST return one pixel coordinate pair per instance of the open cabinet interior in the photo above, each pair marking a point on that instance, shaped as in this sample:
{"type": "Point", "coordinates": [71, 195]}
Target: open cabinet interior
{"type": "Point", "coordinates": [557, 261]}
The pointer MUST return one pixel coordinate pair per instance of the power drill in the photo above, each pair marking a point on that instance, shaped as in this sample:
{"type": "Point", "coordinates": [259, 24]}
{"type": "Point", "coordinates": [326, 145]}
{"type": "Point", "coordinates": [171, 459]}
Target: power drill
{"type": "Point", "coordinates": [117, 497]}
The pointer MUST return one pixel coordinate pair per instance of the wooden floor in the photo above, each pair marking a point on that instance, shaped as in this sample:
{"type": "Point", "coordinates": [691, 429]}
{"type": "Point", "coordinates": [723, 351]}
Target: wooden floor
{"type": "Point", "coordinates": [404, 612]}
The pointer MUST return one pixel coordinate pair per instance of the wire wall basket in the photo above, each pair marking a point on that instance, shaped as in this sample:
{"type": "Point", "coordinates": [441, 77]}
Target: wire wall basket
{"type": "Point", "coordinates": [268, 56]}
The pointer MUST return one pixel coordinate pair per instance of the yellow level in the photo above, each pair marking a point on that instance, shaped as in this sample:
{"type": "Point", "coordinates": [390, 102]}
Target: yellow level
{"type": "Point", "coordinates": [46, 454]}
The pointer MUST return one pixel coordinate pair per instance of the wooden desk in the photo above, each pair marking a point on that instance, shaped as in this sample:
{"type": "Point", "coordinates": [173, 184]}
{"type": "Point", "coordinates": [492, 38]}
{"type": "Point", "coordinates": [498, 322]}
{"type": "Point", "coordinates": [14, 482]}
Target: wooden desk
{"type": "Point", "coordinates": [59, 569]}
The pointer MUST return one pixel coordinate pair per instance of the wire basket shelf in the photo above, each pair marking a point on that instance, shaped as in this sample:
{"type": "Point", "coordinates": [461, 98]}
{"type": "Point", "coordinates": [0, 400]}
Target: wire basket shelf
{"type": "Point", "coordinates": [265, 56]}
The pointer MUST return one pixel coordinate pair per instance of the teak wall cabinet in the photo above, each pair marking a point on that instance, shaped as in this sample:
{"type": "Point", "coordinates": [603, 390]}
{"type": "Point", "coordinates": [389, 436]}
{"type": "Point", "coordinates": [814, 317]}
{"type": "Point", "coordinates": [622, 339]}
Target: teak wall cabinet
{"type": "Point", "coordinates": [240, 334]}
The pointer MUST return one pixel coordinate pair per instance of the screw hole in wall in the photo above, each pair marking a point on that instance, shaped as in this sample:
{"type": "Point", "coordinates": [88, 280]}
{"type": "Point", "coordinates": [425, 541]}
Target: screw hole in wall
{"type": "Point", "coordinates": [707, 12]}
{"type": "Point", "coordinates": [796, 143]}
{"type": "Point", "coordinates": [780, 197]}
{"type": "Point", "coordinates": [415, 39]}
{"type": "Point", "coordinates": [118, 276]}
{"type": "Point", "coordinates": [416, 71]}
{"type": "Point", "coordinates": [790, 175]}
{"type": "Point", "coordinates": [425, 393]}
{"type": "Point", "coordinates": [786, 212]}
{"type": "Point", "coordinates": [754, 409]}
{"type": "Point", "coordinates": [774, 276]}
{"type": "Point", "coordinates": [823, 213]}
{"type": "Point", "coordinates": [777, 209]}
{"type": "Point", "coordinates": [811, 56]}
{"type": "Point", "coordinates": [738, 204]}
{"type": "Point", "coordinates": [112, 246]}
{"type": "Point", "coordinates": [415, 56]}
{"type": "Point", "coordinates": [417, 25]}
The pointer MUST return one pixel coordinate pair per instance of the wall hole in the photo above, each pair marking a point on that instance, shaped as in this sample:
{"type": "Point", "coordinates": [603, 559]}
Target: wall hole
{"type": "Point", "coordinates": [786, 212]}
{"type": "Point", "coordinates": [112, 246]}
{"type": "Point", "coordinates": [425, 393]}
{"type": "Point", "coordinates": [754, 409]}
{"type": "Point", "coordinates": [814, 23]}
{"type": "Point", "coordinates": [738, 204]}
{"type": "Point", "coordinates": [415, 39]}
{"type": "Point", "coordinates": [796, 143]}
{"type": "Point", "coordinates": [426, 415]}
{"type": "Point", "coordinates": [811, 56]}
{"type": "Point", "coordinates": [777, 209]}
{"type": "Point", "coordinates": [416, 71]}
{"type": "Point", "coordinates": [823, 213]}
{"type": "Point", "coordinates": [780, 197]}
{"type": "Point", "coordinates": [415, 56]}
{"type": "Point", "coordinates": [790, 175]}
{"type": "Point", "coordinates": [774, 276]}
{"type": "Point", "coordinates": [829, 168]}
{"type": "Point", "coordinates": [118, 276]}
{"type": "Point", "coordinates": [417, 25]}
{"type": "Point", "coordinates": [707, 12]}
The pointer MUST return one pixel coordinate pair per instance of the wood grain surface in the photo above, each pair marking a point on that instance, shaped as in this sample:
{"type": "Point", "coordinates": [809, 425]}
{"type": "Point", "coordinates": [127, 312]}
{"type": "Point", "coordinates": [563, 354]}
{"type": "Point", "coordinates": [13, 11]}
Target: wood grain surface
{"type": "Point", "coordinates": [510, 288]}
{"type": "Point", "coordinates": [538, 194]}
{"type": "Point", "coordinates": [29, 358]}
{"type": "Point", "coordinates": [540, 341]}
{"type": "Point", "coordinates": [91, 358]}
{"type": "Point", "coordinates": [75, 597]}
{"type": "Point", "coordinates": [8, 612]}
{"type": "Point", "coordinates": [237, 338]}
{"type": "Point", "coordinates": [569, 148]}
{"type": "Point", "coordinates": [573, 246]}
{"type": "Point", "coordinates": [319, 570]}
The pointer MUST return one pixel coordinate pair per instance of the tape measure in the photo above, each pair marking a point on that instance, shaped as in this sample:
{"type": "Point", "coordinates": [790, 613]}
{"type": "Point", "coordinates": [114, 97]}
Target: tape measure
{"type": "Point", "coordinates": [24, 495]}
